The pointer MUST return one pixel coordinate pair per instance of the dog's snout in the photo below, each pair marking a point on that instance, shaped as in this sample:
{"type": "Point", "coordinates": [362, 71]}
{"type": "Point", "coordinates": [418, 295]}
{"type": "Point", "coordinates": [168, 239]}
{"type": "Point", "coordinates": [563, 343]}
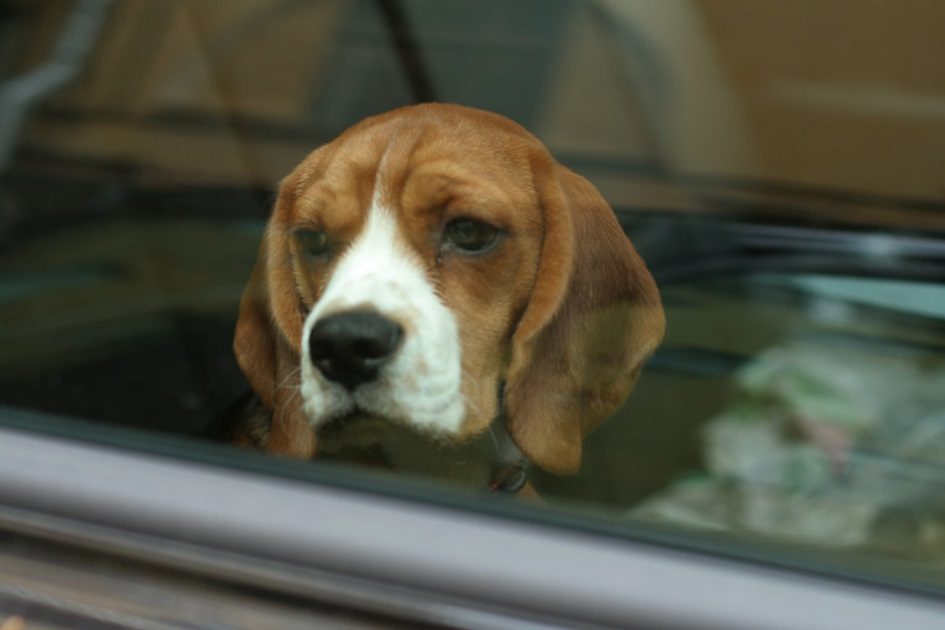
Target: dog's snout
{"type": "Point", "coordinates": [349, 348]}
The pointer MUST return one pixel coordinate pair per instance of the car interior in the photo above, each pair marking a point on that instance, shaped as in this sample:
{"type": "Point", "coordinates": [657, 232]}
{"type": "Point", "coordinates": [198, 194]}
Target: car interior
{"type": "Point", "coordinates": [778, 167]}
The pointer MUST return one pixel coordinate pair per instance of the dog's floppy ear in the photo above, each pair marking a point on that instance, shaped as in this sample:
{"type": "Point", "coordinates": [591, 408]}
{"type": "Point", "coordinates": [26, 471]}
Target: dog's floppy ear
{"type": "Point", "coordinates": [268, 334]}
{"type": "Point", "coordinates": [593, 318]}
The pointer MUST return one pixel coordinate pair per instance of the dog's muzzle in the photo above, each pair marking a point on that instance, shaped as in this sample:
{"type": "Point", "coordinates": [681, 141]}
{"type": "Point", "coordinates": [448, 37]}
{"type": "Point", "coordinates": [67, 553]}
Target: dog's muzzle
{"type": "Point", "coordinates": [349, 348]}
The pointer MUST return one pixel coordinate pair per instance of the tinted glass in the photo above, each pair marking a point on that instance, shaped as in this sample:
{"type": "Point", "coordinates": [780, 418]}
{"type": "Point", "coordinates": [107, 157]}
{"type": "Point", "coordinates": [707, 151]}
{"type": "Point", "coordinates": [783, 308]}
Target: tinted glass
{"type": "Point", "coordinates": [778, 166]}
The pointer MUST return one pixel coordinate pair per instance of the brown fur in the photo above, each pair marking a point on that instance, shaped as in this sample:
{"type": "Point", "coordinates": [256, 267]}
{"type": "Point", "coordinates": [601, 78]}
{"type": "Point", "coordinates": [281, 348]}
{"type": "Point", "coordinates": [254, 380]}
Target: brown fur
{"type": "Point", "coordinates": [563, 311]}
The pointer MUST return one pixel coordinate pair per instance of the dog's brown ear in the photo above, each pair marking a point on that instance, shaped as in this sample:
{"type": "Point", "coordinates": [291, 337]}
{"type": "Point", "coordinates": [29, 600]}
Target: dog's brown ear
{"type": "Point", "coordinates": [267, 337]}
{"type": "Point", "coordinates": [254, 341]}
{"type": "Point", "coordinates": [594, 317]}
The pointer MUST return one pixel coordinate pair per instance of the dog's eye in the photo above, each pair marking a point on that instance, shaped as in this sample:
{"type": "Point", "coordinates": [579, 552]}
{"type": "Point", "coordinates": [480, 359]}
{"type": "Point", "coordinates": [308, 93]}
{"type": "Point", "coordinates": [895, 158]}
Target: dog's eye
{"type": "Point", "coordinates": [471, 236]}
{"type": "Point", "coordinates": [312, 242]}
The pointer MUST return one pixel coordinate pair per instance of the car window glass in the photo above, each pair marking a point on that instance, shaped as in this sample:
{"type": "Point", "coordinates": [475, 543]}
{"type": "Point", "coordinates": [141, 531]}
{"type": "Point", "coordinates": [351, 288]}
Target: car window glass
{"type": "Point", "coordinates": [777, 165]}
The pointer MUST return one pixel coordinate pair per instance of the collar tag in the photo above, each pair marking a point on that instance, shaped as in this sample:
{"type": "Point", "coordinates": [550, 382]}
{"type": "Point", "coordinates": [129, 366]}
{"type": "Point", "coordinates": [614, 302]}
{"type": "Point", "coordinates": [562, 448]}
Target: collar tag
{"type": "Point", "coordinates": [510, 479]}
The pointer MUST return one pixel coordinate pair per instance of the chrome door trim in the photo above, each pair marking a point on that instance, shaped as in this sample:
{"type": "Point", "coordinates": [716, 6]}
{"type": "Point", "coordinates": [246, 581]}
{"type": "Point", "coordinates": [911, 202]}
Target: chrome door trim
{"type": "Point", "coordinates": [434, 564]}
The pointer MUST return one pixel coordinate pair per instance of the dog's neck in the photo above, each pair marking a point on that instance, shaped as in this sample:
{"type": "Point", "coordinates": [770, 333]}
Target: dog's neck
{"type": "Point", "coordinates": [490, 460]}
{"type": "Point", "coordinates": [510, 469]}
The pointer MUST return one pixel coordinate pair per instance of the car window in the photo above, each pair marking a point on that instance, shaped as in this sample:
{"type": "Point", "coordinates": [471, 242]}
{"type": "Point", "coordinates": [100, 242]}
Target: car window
{"type": "Point", "coordinates": [777, 165]}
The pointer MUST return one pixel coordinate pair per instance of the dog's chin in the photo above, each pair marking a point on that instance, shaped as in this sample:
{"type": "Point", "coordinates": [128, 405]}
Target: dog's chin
{"type": "Point", "coordinates": [365, 439]}
{"type": "Point", "coordinates": [357, 429]}
{"type": "Point", "coordinates": [360, 430]}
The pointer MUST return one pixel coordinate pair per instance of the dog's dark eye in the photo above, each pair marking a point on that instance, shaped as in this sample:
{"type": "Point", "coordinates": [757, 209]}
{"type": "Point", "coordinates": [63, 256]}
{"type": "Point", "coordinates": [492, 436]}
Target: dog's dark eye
{"type": "Point", "coordinates": [312, 242]}
{"type": "Point", "coordinates": [471, 236]}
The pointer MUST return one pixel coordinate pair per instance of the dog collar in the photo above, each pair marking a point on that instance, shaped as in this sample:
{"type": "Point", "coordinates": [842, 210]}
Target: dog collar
{"type": "Point", "coordinates": [510, 479]}
{"type": "Point", "coordinates": [511, 473]}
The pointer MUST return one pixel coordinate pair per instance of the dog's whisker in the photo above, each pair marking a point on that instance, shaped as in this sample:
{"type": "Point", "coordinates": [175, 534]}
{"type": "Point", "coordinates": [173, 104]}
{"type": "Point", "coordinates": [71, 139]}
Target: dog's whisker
{"type": "Point", "coordinates": [495, 440]}
{"type": "Point", "coordinates": [290, 376]}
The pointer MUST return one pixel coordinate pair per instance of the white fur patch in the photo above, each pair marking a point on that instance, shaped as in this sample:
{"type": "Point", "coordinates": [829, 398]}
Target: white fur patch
{"type": "Point", "coordinates": [420, 386]}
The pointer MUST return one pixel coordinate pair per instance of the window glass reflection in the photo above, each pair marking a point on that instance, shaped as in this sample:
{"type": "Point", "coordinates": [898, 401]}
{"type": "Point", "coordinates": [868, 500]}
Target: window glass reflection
{"type": "Point", "coordinates": [777, 166]}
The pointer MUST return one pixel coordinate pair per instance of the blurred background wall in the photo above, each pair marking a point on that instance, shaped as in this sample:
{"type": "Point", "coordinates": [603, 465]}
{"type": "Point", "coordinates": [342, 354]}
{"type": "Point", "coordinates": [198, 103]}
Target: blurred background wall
{"type": "Point", "coordinates": [824, 93]}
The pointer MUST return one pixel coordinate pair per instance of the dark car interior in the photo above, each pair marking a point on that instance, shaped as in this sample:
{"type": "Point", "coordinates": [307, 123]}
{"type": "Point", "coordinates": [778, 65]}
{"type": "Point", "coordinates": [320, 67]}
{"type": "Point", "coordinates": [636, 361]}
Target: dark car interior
{"type": "Point", "coordinates": [804, 361]}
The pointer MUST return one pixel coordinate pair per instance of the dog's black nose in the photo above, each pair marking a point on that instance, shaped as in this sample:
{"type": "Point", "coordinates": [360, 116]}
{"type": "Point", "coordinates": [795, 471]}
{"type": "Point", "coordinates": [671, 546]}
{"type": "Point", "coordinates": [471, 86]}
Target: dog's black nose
{"type": "Point", "coordinates": [350, 347]}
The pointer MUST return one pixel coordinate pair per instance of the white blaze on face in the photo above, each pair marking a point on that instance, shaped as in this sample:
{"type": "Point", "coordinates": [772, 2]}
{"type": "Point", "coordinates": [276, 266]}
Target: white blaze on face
{"type": "Point", "coordinates": [420, 385]}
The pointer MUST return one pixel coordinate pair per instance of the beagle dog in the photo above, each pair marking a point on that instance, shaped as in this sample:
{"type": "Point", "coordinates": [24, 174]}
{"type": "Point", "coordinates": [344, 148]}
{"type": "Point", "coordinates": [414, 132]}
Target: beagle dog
{"type": "Point", "coordinates": [433, 287]}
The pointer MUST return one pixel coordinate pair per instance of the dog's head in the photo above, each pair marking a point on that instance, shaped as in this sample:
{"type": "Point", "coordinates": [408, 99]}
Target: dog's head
{"type": "Point", "coordinates": [434, 267]}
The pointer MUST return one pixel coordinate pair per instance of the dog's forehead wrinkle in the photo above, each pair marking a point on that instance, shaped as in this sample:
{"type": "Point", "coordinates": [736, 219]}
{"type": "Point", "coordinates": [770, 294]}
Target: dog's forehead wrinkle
{"type": "Point", "coordinates": [396, 163]}
{"type": "Point", "coordinates": [450, 150]}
